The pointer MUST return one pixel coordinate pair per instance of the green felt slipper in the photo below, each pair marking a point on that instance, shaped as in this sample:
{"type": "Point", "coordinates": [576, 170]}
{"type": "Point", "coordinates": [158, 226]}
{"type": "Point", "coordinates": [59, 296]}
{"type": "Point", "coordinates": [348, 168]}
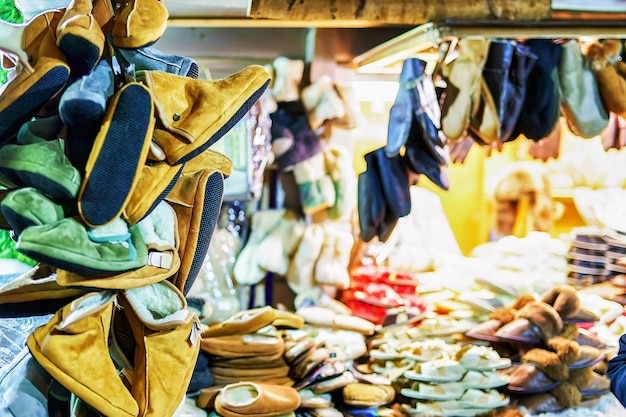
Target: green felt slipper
{"type": "Point", "coordinates": [41, 165]}
{"type": "Point", "coordinates": [65, 244]}
{"type": "Point", "coordinates": [27, 207]}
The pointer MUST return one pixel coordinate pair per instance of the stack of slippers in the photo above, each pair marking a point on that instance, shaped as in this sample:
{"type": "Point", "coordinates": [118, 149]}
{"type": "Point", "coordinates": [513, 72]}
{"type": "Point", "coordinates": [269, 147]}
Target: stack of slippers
{"type": "Point", "coordinates": [249, 347]}
{"type": "Point", "coordinates": [313, 365]}
{"type": "Point", "coordinates": [316, 405]}
{"type": "Point", "coordinates": [560, 364]}
{"type": "Point", "coordinates": [560, 376]}
{"type": "Point", "coordinates": [250, 399]}
{"type": "Point", "coordinates": [363, 399]}
{"type": "Point", "coordinates": [586, 258]}
{"type": "Point", "coordinates": [463, 383]}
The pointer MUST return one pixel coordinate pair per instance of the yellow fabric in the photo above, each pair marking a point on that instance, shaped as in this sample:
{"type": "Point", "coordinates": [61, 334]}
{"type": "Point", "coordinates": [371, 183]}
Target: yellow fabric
{"type": "Point", "coordinates": [139, 23]}
{"type": "Point", "coordinates": [190, 112]}
{"type": "Point", "coordinates": [75, 353]}
{"type": "Point", "coordinates": [164, 362]}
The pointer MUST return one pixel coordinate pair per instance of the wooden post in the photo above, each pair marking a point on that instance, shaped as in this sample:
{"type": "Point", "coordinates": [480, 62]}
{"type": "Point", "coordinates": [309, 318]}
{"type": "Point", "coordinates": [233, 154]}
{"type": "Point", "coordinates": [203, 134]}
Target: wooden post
{"type": "Point", "coordinates": [411, 12]}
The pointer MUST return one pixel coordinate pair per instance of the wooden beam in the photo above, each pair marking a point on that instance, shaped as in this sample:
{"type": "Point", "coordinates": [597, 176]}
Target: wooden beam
{"type": "Point", "coordinates": [411, 12]}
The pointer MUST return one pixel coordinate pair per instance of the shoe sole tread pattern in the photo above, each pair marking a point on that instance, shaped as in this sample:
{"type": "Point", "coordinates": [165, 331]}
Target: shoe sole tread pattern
{"type": "Point", "coordinates": [20, 110]}
{"type": "Point", "coordinates": [108, 185]}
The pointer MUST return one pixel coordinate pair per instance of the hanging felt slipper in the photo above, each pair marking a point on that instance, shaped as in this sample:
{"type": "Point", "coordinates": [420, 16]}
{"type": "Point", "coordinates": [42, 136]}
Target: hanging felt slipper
{"type": "Point", "coordinates": [155, 182]}
{"type": "Point", "coordinates": [84, 101]}
{"type": "Point", "coordinates": [150, 58]}
{"type": "Point", "coordinates": [80, 37]}
{"type": "Point", "coordinates": [139, 23]}
{"type": "Point", "coordinates": [126, 130]}
{"type": "Point", "coordinates": [26, 207]}
{"type": "Point", "coordinates": [39, 130]}
{"type": "Point", "coordinates": [166, 336]}
{"type": "Point", "coordinates": [40, 81]}
{"type": "Point", "coordinates": [158, 235]}
{"type": "Point", "coordinates": [73, 348]}
{"type": "Point", "coordinates": [38, 283]}
{"type": "Point", "coordinates": [42, 166]}
{"type": "Point", "coordinates": [65, 244]}
{"type": "Point", "coordinates": [197, 199]}
{"type": "Point", "coordinates": [194, 114]}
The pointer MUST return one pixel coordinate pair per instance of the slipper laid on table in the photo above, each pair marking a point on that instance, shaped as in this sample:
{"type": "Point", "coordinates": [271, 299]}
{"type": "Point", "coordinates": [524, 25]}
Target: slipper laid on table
{"type": "Point", "coordinates": [484, 379]}
{"type": "Point", "coordinates": [435, 392]}
{"type": "Point", "coordinates": [358, 394]}
{"type": "Point", "coordinates": [481, 358]}
{"type": "Point", "coordinates": [475, 398]}
{"type": "Point", "coordinates": [429, 349]}
{"type": "Point", "coordinates": [439, 370]}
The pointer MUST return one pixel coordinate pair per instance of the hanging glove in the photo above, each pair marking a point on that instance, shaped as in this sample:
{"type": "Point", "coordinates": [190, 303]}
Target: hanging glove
{"type": "Point", "coordinates": [339, 166]}
{"type": "Point", "coordinates": [317, 191]}
{"type": "Point", "coordinates": [332, 264]}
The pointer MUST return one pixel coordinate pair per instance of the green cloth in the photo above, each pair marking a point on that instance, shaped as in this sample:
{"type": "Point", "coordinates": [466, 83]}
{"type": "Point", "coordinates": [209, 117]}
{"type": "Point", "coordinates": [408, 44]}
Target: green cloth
{"type": "Point", "coordinates": [8, 251]}
{"type": "Point", "coordinates": [9, 12]}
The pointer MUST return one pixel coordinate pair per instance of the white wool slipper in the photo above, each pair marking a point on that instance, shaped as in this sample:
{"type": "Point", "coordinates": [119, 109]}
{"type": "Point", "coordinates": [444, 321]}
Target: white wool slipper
{"type": "Point", "coordinates": [287, 78]}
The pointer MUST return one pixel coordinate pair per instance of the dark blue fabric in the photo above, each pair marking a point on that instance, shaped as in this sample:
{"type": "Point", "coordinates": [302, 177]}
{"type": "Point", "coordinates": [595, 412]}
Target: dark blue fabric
{"type": "Point", "coordinates": [616, 371]}
{"type": "Point", "coordinates": [289, 120]}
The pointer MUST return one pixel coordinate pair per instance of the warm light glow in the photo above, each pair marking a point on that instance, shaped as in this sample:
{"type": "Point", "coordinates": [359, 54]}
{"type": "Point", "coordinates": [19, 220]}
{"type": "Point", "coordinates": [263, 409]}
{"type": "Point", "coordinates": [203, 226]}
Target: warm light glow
{"type": "Point", "coordinates": [376, 90]}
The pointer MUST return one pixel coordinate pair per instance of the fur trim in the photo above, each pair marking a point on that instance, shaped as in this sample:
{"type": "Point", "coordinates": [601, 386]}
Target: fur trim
{"type": "Point", "coordinates": [503, 314]}
{"type": "Point", "coordinates": [548, 362]}
{"type": "Point", "coordinates": [566, 349]}
{"type": "Point", "coordinates": [564, 299]}
{"type": "Point", "coordinates": [570, 331]}
{"type": "Point", "coordinates": [602, 54]}
{"type": "Point", "coordinates": [544, 316]}
{"type": "Point", "coordinates": [567, 395]}
{"type": "Point", "coordinates": [522, 301]}
{"type": "Point", "coordinates": [581, 377]}
{"type": "Point", "coordinates": [158, 303]}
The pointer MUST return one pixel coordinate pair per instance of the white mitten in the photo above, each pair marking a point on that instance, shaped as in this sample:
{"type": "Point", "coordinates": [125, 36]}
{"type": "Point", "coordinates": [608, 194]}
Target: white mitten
{"type": "Point", "coordinates": [275, 250]}
{"type": "Point", "coordinates": [332, 265]}
{"type": "Point", "coordinates": [338, 163]}
{"type": "Point", "coordinates": [287, 78]}
{"type": "Point", "coordinates": [322, 102]}
{"type": "Point", "coordinates": [247, 270]}
{"type": "Point", "coordinates": [300, 273]}
{"type": "Point", "coordinates": [317, 191]}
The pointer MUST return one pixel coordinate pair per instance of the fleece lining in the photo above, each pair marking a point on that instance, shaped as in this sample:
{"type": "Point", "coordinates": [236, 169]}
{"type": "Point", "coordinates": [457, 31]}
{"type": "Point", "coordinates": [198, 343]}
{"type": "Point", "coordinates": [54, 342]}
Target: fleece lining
{"type": "Point", "coordinates": [157, 304]}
